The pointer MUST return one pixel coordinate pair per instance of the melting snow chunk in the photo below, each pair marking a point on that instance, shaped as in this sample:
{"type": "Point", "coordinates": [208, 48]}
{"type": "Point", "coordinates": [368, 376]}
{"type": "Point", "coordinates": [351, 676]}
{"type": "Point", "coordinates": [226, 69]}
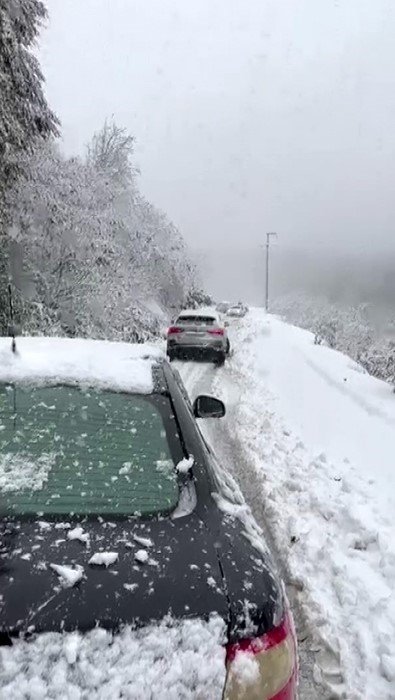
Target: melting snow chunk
{"type": "Point", "coordinates": [126, 468]}
{"type": "Point", "coordinates": [103, 558]}
{"type": "Point", "coordinates": [78, 534]}
{"type": "Point", "coordinates": [131, 587]}
{"type": "Point", "coordinates": [43, 525]}
{"type": "Point", "coordinates": [67, 575]}
{"type": "Point", "coordinates": [185, 465]}
{"type": "Point", "coordinates": [144, 541]}
{"type": "Point", "coordinates": [141, 556]}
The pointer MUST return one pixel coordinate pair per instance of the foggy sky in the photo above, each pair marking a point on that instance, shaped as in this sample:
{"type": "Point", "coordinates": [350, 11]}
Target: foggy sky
{"type": "Point", "coordinates": [249, 115]}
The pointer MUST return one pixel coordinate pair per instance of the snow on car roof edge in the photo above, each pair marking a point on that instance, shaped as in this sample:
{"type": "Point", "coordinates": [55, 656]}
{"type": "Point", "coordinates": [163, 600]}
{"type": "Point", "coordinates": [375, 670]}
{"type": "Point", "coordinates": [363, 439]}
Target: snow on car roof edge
{"type": "Point", "coordinates": [203, 311]}
{"type": "Point", "coordinates": [105, 364]}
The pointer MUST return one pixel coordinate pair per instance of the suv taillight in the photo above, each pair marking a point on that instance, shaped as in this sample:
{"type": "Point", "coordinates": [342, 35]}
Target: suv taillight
{"type": "Point", "coordinates": [263, 668]}
{"type": "Point", "coordinates": [216, 331]}
{"type": "Point", "coordinates": [174, 329]}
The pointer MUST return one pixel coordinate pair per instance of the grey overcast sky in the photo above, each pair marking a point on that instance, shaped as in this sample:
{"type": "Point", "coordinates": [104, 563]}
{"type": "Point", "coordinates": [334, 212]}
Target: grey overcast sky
{"type": "Point", "coordinates": [249, 115]}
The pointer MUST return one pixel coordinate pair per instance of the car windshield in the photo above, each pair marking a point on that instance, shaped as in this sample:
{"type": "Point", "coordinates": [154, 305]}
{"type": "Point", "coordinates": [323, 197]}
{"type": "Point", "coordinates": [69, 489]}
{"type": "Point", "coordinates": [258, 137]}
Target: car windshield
{"type": "Point", "coordinates": [66, 451]}
{"type": "Point", "coordinates": [196, 320]}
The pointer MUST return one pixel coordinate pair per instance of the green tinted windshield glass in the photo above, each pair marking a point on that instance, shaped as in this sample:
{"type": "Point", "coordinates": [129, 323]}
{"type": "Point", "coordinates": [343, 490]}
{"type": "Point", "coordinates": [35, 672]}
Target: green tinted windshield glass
{"type": "Point", "coordinates": [67, 451]}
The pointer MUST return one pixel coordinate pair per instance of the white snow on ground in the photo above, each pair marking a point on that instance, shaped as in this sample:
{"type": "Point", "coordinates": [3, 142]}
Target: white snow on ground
{"type": "Point", "coordinates": [19, 472]}
{"type": "Point", "coordinates": [321, 433]}
{"type": "Point", "coordinates": [103, 558]}
{"type": "Point", "coordinates": [172, 661]}
{"type": "Point", "coordinates": [107, 365]}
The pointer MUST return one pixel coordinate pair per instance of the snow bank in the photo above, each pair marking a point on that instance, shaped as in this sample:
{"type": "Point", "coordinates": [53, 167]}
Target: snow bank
{"type": "Point", "coordinates": [321, 434]}
{"type": "Point", "coordinates": [168, 660]}
{"type": "Point", "coordinates": [107, 365]}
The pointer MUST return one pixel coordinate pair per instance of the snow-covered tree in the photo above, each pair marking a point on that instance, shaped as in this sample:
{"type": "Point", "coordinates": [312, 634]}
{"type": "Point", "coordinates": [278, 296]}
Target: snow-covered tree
{"type": "Point", "coordinates": [24, 113]}
{"type": "Point", "coordinates": [104, 260]}
{"type": "Point", "coordinates": [110, 152]}
{"type": "Point", "coordinates": [158, 259]}
{"type": "Point", "coordinates": [348, 329]}
{"type": "Point", "coordinates": [196, 298]}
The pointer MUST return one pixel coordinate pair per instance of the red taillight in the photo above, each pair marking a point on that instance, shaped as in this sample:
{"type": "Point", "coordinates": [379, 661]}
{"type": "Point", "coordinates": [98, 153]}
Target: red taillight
{"type": "Point", "coordinates": [264, 667]}
{"type": "Point", "coordinates": [216, 331]}
{"type": "Point", "coordinates": [174, 329]}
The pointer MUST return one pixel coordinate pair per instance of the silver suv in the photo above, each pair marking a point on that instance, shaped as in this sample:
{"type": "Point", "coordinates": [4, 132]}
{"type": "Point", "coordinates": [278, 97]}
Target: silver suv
{"type": "Point", "coordinates": [198, 333]}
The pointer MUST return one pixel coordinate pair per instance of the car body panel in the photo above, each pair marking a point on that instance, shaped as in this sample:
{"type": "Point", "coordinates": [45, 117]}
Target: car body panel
{"type": "Point", "coordinates": [202, 562]}
{"type": "Point", "coordinates": [174, 580]}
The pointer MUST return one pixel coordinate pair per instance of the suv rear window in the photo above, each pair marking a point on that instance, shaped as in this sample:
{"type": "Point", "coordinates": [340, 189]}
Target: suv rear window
{"type": "Point", "coordinates": [196, 320]}
{"type": "Point", "coordinates": [66, 451]}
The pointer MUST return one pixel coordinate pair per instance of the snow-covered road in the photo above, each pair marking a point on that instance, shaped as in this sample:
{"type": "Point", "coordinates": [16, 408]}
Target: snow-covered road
{"type": "Point", "coordinates": [311, 440]}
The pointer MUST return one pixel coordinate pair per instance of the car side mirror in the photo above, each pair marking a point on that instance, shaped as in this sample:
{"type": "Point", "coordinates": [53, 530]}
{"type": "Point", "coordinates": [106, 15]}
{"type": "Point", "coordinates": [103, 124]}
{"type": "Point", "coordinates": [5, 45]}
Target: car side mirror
{"type": "Point", "coordinates": [208, 407]}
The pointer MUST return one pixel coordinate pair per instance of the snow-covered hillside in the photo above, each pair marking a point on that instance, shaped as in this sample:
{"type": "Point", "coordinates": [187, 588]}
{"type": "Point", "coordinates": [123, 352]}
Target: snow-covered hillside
{"type": "Point", "coordinates": [320, 436]}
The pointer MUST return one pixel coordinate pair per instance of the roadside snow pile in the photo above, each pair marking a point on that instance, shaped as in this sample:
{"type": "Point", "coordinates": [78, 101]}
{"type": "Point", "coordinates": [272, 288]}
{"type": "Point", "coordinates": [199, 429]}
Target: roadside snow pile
{"type": "Point", "coordinates": [321, 433]}
{"type": "Point", "coordinates": [362, 332]}
{"type": "Point", "coordinates": [19, 472]}
{"type": "Point", "coordinates": [116, 366]}
{"type": "Point", "coordinates": [168, 660]}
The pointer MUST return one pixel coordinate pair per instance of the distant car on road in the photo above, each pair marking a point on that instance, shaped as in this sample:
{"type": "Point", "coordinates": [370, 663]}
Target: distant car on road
{"type": "Point", "coordinates": [198, 333]}
{"type": "Point", "coordinates": [237, 311]}
{"type": "Point", "coordinates": [107, 472]}
{"type": "Point", "coordinates": [223, 306]}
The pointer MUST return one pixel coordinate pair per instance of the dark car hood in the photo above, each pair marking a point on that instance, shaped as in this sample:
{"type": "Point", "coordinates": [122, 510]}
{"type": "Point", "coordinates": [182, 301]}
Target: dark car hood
{"type": "Point", "coordinates": [182, 576]}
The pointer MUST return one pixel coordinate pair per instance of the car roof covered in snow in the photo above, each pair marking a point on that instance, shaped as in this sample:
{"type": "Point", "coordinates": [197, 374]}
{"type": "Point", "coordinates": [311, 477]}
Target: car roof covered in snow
{"type": "Point", "coordinates": [107, 365]}
{"type": "Point", "coordinates": [204, 311]}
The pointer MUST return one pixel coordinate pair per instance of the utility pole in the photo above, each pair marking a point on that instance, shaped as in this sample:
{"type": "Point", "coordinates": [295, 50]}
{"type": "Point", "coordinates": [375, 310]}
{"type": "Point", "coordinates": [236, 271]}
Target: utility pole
{"type": "Point", "coordinates": [274, 235]}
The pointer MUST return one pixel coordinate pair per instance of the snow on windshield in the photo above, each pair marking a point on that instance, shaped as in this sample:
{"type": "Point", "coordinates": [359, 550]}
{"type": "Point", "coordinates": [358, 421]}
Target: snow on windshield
{"type": "Point", "coordinates": [168, 660]}
{"type": "Point", "coordinates": [116, 366]}
{"type": "Point", "coordinates": [19, 471]}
